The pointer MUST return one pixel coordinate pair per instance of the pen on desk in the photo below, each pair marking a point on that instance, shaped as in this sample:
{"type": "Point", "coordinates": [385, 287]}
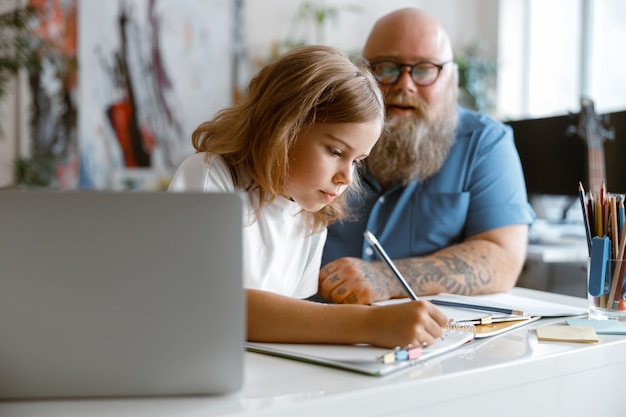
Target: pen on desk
{"type": "Point", "coordinates": [492, 309]}
{"type": "Point", "coordinates": [581, 195]}
{"type": "Point", "coordinates": [383, 255]}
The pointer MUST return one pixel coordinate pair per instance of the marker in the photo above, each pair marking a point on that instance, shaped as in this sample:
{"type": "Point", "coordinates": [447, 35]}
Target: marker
{"type": "Point", "coordinates": [383, 255]}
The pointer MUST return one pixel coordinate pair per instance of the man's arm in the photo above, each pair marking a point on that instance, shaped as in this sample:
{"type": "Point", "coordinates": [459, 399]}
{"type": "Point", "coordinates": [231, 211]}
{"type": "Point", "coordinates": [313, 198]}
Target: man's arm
{"type": "Point", "coordinates": [487, 262]}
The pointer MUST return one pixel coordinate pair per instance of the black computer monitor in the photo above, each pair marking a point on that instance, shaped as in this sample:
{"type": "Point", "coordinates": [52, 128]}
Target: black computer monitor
{"type": "Point", "coordinates": [554, 161]}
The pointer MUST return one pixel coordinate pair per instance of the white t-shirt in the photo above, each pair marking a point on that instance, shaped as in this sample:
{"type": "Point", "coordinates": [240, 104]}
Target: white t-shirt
{"type": "Point", "coordinates": [280, 254]}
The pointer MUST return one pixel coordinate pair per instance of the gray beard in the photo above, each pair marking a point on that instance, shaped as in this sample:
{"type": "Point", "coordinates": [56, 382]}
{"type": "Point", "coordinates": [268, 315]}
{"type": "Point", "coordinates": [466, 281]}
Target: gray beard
{"type": "Point", "coordinates": [412, 148]}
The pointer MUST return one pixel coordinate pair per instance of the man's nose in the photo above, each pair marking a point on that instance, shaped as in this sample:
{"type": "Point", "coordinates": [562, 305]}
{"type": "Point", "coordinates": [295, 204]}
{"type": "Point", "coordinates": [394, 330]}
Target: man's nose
{"type": "Point", "coordinates": [405, 82]}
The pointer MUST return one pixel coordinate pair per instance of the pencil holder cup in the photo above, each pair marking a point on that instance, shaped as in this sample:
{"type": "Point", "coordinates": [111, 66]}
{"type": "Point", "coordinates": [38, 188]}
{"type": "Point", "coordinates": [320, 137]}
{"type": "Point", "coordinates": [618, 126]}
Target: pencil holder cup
{"type": "Point", "coordinates": [606, 288]}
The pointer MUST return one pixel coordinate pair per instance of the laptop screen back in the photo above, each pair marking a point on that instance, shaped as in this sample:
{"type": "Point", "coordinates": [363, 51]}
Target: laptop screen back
{"type": "Point", "coordinates": [120, 294]}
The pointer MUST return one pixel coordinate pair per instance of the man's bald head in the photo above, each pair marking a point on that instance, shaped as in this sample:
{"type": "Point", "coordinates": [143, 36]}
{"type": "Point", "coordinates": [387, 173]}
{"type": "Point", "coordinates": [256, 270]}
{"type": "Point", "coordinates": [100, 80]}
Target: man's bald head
{"type": "Point", "coordinates": [411, 34]}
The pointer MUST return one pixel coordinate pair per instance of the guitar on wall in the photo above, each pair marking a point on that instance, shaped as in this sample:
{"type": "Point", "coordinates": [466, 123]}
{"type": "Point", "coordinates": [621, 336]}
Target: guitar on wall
{"type": "Point", "coordinates": [592, 128]}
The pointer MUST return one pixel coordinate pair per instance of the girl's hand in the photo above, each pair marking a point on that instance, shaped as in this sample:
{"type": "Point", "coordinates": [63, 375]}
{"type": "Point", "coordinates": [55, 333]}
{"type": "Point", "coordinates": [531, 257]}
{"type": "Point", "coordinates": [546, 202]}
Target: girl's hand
{"type": "Point", "coordinates": [416, 323]}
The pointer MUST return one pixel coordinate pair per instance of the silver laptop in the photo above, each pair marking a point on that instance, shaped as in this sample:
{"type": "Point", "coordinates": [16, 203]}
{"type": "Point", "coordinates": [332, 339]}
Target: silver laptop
{"type": "Point", "coordinates": [120, 294]}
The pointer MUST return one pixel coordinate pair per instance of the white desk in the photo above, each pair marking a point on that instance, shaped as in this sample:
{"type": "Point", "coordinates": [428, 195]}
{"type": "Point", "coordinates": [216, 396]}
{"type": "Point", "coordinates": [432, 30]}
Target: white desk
{"type": "Point", "coordinates": [507, 375]}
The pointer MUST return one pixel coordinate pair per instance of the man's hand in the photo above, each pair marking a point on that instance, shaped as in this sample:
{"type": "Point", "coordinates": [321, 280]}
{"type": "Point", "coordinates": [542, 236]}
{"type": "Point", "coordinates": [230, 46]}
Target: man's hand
{"type": "Point", "coordinates": [355, 281]}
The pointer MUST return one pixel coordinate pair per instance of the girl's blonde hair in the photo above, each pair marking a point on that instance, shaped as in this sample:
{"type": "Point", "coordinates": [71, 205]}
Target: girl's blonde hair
{"type": "Point", "coordinates": [307, 85]}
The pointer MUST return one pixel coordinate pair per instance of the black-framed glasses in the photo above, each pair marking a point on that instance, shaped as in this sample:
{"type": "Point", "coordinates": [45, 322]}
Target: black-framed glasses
{"type": "Point", "coordinates": [423, 73]}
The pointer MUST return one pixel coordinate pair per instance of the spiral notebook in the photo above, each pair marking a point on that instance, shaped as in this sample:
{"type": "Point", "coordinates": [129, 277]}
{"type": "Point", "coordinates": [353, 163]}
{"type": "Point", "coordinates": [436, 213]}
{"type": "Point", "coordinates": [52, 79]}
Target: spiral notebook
{"type": "Point", "coordinates": [493, 314]}
{"type": "Point", "coordinates": [367, 359]}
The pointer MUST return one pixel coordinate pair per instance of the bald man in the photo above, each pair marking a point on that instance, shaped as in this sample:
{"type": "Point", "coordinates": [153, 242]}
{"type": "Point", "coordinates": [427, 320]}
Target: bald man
{"type": "Point", "coordinates": [444, 190]}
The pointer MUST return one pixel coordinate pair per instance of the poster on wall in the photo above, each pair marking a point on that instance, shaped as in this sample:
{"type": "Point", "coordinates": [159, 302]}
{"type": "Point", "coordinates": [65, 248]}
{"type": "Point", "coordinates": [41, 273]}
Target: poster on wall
{"type": "Point", "coordinates": [150, 72]}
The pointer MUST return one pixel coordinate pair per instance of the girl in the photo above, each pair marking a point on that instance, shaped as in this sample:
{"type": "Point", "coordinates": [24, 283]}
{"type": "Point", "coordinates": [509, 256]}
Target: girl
{"type": "Point", "coordinates": [292, 145]}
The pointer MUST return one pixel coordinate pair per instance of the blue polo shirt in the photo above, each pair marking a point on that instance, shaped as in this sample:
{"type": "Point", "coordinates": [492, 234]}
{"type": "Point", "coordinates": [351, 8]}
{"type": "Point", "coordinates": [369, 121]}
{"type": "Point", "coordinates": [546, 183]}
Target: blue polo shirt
{"type": "Point", "coordinates": [480, 187]}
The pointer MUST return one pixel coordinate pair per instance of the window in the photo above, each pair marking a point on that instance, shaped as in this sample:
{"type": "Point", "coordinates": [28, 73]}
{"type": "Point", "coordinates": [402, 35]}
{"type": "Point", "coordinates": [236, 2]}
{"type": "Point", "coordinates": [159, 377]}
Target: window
{"type": "Point", "coordinates": [553, 52]}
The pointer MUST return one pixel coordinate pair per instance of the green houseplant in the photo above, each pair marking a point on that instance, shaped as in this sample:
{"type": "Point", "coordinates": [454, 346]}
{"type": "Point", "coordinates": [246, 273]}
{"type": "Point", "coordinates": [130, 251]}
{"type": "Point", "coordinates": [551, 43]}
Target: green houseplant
{"type": "Point", "coordinates": [311, 17]}
{"type": "Point", "coordinates": [18, 51]}
{"type": "Point", "coordinates": [21, 47]}
{"type": "Point", "coordinates": [477, 77]}
{"type": "Point", "coordinates": [15, 44]}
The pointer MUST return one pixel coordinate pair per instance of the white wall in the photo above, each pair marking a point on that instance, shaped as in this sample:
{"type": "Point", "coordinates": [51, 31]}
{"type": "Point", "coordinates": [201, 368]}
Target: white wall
{"type": "Point", "coordinates": [268, 21]}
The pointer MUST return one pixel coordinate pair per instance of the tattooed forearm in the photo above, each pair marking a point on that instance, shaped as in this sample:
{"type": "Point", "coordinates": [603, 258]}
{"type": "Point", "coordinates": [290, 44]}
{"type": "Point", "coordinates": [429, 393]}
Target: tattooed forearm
{"type": "Point", "coordinates": [454, 275]}
{"type": "Point", "coordinates": [372, 275]}
{"type": "Point", "coordinates": [486, 263]}
{"type": "Point", "coordinates": [448, 273]}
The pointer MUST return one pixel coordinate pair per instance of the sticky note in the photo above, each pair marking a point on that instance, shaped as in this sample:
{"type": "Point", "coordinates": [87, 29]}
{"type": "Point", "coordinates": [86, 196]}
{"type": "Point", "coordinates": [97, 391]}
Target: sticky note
{"type": "Point", "coordinates": [578, 334]}
{"type": "Point", "coordinates": [600, 326]}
